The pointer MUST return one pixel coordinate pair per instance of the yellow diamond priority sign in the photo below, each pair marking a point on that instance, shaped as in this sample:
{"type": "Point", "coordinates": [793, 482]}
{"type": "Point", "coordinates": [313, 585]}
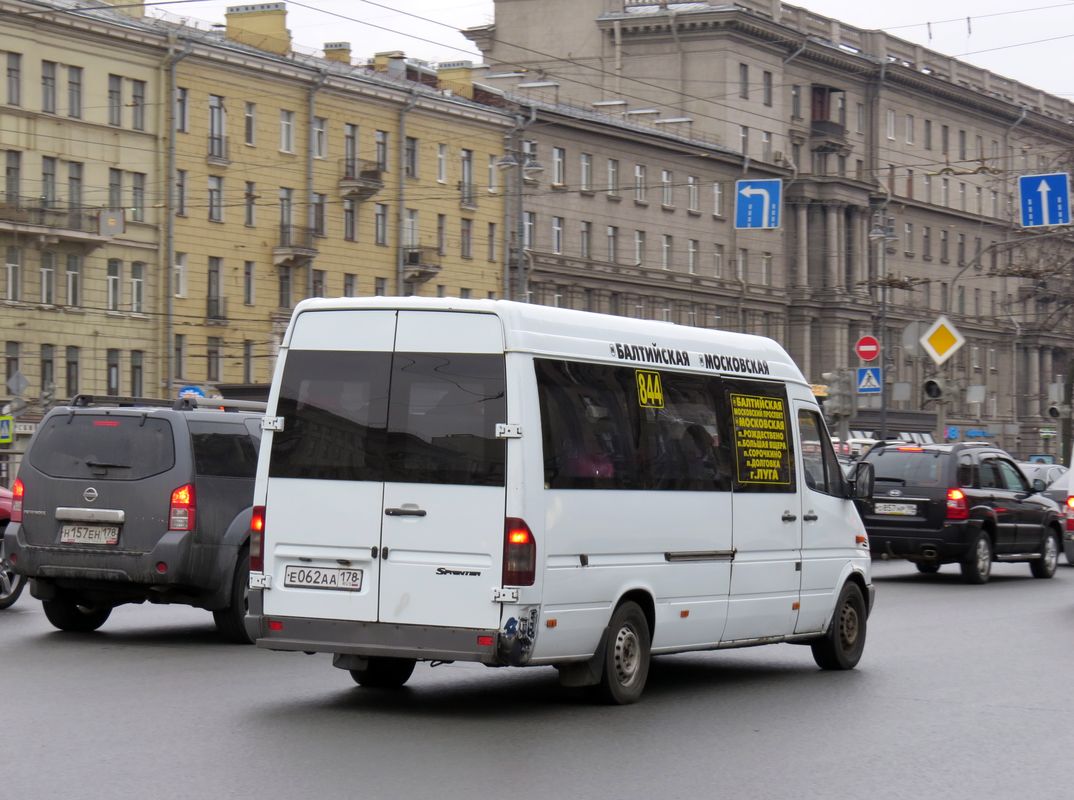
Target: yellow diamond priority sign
{"type": "Point", "coordinates": [942, 340]}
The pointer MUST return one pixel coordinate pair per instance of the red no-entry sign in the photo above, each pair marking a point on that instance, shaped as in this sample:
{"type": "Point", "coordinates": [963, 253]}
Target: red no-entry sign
{"type": "Point", "coordinates": [867, 348]}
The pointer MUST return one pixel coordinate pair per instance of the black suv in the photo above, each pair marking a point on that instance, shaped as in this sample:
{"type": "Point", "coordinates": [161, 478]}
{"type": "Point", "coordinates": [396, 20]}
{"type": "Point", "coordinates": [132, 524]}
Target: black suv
{"type": "Point", "coordinates": [124, 500]}
{"type": "Point", "coordinates": [969, 504]}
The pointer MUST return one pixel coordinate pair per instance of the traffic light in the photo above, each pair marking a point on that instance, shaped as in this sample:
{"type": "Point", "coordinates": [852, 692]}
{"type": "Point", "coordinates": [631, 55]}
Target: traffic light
{"type": "Point", "coordinates": [1054, 411]}
{"type": "Point", "coordinates": [839, 402]}
{"type": "Point", "coordinates": [933, 388]}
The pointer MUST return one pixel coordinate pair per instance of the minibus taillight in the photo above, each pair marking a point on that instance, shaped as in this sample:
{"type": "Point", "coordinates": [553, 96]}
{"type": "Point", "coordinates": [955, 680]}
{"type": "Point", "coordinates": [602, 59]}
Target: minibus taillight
{"type": "Point", "coordinates": [17, 492]}
{"type": "Point", "coordinates": [957, 507]}
{"type": "Point", "coordinates": [257, 540]}
{"type": "Point", "coordinates": [1068, 511]}
{"type": "Point", "coordinates": [519, 553]}
{"type": "Point", "coordinates": [183, 506]}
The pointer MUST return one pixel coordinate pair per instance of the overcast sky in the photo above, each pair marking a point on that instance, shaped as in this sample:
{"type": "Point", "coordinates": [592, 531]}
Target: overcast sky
{"type": "Point", "coordinates": [1032, 42]}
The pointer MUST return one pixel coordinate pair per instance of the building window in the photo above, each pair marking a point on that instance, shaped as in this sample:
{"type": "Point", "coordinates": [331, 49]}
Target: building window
{"type": "Point", "coordinates": [945, 140]}
{"type": "Point", "coordinates": [585, 168]}
{"type": "Point", "coordinates": [179, 275]}
{"type": "Point", "coordinates": [559, 166]}
{"type": "Point", "coordinates": [380, 287]}
{"type": "Point", "coordinates": [249, 123]}
{"type": "Point", "coordinates": [667, 188]}
{"type": "Point", "coordinates": [908, 238]}
{"type": "Point", "coordinates": [612, 235]}
{"type": "Point", "coordinates": [441, 234]}
{"type": "Point", "coordinates": [350, 284]}
{"type": "Point", "coordinates": [212, 359]}
{"type": "Point", "coordinates": [138, 196]}
{"type": "Point", "coordinates": [529, 229]}
{"type": "Point", "coordinates": [909, 128]}
{"type": "Point", "coordinates": [71, 370]}
{"type": "Point", "coordinates": [283, 292]}
{"type": "Point", "coordinates": [742, 265]}
{"type": "Point", "coordinates": [137, 287]}
{"type": "Point", "coordinates": [381, 141]}
{"type": "Point", "coordinates": [287, 131]}
{"type": "Point", "coordinates": [410, 157]}
{"type": "Point", "coordinates": [249, 197]}
{"type": "Point", "coordinates": [717, 199]}
{"type": "Point", "coordinates": [319, 283]}
{"type": "Point", "coordinates": [466, 238]}
{"type": "Point", "coordinates": [180, 192]}
{"type": "Point", "coordinates": [557, 235]}
{"type": "Point", "coordinates": [380, 224]}
{"type": "Point", "coordinates": [796, 102]}
{"type": "Point", "coordinates": [491, 255]}
{"type": "Point", "coordinates": [717, 260]}
{"type": "Point", "coordinates": [943, 246]}
{"type": "Point", "coordinates": [441, 163]}
{"type": "Point", "coordinates": [74, 92]}
{"type": "Point", "coordinates": [466, 184]}
{"type": "Point", "coordinates": [48, 181]}
{"type": "Point", "coordinates": [493, 174]}
{"type": "Point", "coordinates": [112, 372]}
{"type": "Point", "coordinates": [962, 145]}
{"type": "Point", "coordinates": [350, 220]}
{"type": "Point", "coordinates": [216, 198]}
{"type": "Point", "coordinates": [320, 203]}
{"type": "Point", "coordinates": [744, 81]}
{"type": "Point", "coordinates": [639, 183]}
{"type": "Point", "coordinates": [137, 373]}
{"type": "Point", "coordinates": [112, 286]}
{"type": "Point", "coordinates": [115, 189]}
{"type": "Point", "coordinates": [766, 146]}
{"type": "Point", "coordinates": [891, 124]}
{"type": "Point", "coordinates": [639, 248]}
{"type": "Point", "coordinates": [926, 242]}
{"type": "Point", "coordinates": [744, 140]}
{"type": "Point", "coordinates": [14, 79]}
{"type": "Point", "coordinates": [48, 278]}
{"type": "Point", "coordinates": [74, 280]}
{"type": "Point", "coordinates": [693, 193]}
{"type": "Point", "coordinates": [766, 87]}
{"type": "Point", "coordinates": [666, 246]}
{"type": "Point", "coordinates": [138, 105]}
{"type": "Point", "coordinates": [320, 137]}
{"type": "Point", "coordinates": [249, 293]}
{"type": "Point", "coordinates": [585, 239]}
{"type": "Point", "coordinates": [613, 177]}
{"type": "Point", "coordinates": [48, 371]}
{"type": "Point", "coordinates": [926, 134]}
{"type": "Point", "coordinates": [48, 87]}
{"type": "Point", "coordinates": [115, 100]}
{"type": "Point", "coordinates": [766, 269]}
{"type": "Point", "coordinates": [692, 247]}
{"type": "Point", "coordinates": [181, 111]}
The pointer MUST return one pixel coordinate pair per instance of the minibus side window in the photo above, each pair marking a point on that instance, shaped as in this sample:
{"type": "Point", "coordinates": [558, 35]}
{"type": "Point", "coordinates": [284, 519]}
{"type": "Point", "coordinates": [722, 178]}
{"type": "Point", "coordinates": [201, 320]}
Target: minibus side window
{"type": "Point", "coordinates": [821, 467]}
{"type": "Point", "coordinates": [608, 427]}
{"type": "Point", "coordinates": [759, 425]}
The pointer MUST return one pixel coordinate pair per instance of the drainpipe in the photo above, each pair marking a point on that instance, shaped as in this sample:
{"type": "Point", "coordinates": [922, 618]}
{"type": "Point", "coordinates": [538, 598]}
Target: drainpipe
{"type": "Point", "coordinates": [311, 210]}
{"type": "Point", "coordinates": [170, 61]}
{"type": "Point", "coordinates": [400, 209]}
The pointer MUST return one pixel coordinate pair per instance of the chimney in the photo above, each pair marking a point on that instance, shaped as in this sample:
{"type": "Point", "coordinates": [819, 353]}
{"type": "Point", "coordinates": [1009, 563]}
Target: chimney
{"type": "Point", "coordinates": [456, 77]}
{"type": "Point", "coordinates": [127, 8]}
{"type": "Point", "coordinates": [263, 26]}
{"type": "Point", "coordinates": [391, 62]}
{"type": "Point", "coordinates": [338, 51]}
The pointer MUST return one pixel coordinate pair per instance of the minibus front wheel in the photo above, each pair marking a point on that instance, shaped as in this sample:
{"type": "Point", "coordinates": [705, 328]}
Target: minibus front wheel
{"type": "Point", "coordinates": [842, 645]}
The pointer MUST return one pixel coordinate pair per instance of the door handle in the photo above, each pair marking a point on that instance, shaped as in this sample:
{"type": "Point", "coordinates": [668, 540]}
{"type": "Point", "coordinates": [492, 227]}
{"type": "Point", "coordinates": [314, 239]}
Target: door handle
{"type": "Point", "coordinates": [789, 517]}
{"type": "Point", "coordinates": [809, 516]}
{"type": "Point", "coordinates": [404, 512]}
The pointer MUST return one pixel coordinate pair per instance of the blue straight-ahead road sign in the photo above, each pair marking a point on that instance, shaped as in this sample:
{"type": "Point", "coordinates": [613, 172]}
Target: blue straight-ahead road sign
{"type": "Point", "coordinates": [869, 380]}
{"type": "Point", "coordinates": [1045, 199]}
{"type": "Point", "coordinates": [757, 203]}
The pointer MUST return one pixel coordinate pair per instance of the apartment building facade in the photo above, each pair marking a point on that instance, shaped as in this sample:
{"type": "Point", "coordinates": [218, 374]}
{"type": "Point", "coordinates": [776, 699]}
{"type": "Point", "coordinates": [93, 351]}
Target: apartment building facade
{"type": "Point", "coordinates": [901, 203]}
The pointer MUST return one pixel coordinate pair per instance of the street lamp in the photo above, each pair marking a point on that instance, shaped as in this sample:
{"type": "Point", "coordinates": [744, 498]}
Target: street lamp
{"type": "Point", "coordinates": [525, 168]}
{"type": "Point", "coordinates": [882, 235]}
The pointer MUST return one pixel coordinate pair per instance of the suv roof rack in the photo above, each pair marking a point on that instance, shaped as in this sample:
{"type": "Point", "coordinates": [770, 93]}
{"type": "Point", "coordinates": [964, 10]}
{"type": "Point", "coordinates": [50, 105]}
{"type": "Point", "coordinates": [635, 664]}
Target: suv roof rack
{"type": "Point", "coordinates": [86, 400]}
{"type": "Point", "coordinates": [190, 402]}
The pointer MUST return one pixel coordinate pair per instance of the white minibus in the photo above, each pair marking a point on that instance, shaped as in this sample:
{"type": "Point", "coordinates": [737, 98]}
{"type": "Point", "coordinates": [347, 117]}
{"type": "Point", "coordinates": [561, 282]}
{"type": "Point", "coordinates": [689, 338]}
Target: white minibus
{"type": "Point", "coordinates": [519, 485]}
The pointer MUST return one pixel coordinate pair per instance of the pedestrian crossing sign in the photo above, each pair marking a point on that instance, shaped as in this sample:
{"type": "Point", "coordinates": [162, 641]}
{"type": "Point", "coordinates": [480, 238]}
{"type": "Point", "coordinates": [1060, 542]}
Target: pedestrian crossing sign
{"type": "Point", "coordinates": [7, 429]}
{"type": "Point", "coordinates": [869, 380]}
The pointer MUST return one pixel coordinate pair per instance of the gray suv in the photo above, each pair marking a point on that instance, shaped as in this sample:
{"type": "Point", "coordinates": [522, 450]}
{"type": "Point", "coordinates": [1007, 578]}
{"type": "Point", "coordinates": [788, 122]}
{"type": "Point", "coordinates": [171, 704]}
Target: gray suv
{"type": "Point", "coordinates": [126, 500]}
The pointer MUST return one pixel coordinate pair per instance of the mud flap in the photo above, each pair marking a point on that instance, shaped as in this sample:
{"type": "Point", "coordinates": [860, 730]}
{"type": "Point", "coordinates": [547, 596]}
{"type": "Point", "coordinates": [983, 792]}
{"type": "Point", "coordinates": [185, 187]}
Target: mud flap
{"type": "Point", "coordinates": [585, 673]}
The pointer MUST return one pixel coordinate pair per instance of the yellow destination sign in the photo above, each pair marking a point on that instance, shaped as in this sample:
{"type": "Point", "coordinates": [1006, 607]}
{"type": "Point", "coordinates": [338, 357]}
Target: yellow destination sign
{"type": "Point", "coordinates": [942, 340]}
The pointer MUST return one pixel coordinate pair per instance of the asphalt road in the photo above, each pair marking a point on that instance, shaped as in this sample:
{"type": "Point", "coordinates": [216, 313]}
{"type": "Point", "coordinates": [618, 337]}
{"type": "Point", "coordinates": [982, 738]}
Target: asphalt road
{"type": "Point", "coordinates": [963, 692]}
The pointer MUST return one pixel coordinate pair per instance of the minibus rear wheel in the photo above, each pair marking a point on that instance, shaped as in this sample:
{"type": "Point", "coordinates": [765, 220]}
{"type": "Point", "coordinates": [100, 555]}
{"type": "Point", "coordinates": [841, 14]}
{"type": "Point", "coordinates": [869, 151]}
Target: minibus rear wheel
{"type": "Point", "coordinates": [842, 645]}
{"type": "Point", "coordinates": [383, 672]}
{"type": "Point", "coordinates": [626, 656]}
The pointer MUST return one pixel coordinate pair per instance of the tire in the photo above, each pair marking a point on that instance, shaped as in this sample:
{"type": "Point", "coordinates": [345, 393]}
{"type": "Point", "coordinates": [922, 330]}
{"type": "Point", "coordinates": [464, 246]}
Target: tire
{"type": "Point", "coordinates": [626, 656]}
{"type": "Point", "coordinates": [384, 673]}
{"type": "Point", "coordinates": [230, 621]}
{"type": "Point", "coordinates": [1044, 567]}
{"type": "Point", "coordinates": [927, 567]}
{"type": "Point", "coordinates": [978, 566]}
{"type": "Point", "coordinates": [67, 615]}
{"type": "Point", "coordinates": [11, 583]}
{"type": "Point", "coordinates": [843, 644]}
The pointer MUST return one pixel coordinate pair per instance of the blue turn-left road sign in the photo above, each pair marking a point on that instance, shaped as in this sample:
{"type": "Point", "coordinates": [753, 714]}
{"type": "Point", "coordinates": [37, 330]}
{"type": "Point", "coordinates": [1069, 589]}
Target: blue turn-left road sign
{"type": "Point", "coordinates": [1045, 199]}
{"type": "Point", "coordinates": [757, 203]}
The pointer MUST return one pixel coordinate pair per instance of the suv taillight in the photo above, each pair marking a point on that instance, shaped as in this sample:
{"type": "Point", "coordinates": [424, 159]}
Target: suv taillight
{"type": "Point", "coordinates": [519, 553]}
{"type": "Point", "coordinates": [1068, 512]}
{"type": "Point", "coordinates": [957, 507]}
{"type": "Point", "coordinates": [181, 511]}
{"type": "Point", "coordinates": [17, 492]}
{"type": "Point", "coordinates": [257, 540]}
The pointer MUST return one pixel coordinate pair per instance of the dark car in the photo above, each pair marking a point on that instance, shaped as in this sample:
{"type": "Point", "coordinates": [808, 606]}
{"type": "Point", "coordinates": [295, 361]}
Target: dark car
{"type": "Point", "coordinates": [968, 504]}
{"type": "Point", "coordinates": [1062, 492]}
{"type": "Point", "coordinates": [128, 500]}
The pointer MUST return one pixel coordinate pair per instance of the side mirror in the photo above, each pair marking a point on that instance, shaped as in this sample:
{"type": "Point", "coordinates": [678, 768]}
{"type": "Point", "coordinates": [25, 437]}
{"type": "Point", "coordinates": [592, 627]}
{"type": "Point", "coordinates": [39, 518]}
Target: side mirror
{"type": "Point", "coordinates": [861, 485]}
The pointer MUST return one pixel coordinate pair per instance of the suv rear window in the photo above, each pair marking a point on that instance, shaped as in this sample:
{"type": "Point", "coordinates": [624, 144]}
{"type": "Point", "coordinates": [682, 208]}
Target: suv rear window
{"type": "Point", "coordinates": [112, 446]}
{"type": "Point", "coordinates": [909, 467]}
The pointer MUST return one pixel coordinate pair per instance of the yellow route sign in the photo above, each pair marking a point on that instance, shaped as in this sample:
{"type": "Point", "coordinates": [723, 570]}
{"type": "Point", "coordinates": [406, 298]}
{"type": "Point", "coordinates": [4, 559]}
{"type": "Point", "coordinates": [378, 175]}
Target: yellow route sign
{"type": "Point", "coordinates": [942, 340]}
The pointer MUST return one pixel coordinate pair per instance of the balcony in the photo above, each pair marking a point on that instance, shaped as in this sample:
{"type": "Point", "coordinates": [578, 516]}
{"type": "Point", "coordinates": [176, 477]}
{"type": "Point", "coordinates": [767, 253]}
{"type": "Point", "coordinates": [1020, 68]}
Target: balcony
{"type": "Point", "coordinates": [420, 263]}
{"type": "Point", "coordinates": [215, 309]}
{"type": "Point", "coordinates": [52, 221]}
{"type": "Point", "coordinates": [359, 179]}
{"type": "Point", "coordinates": [826, 136]}
{"type": "Point", "coordinates": [295, 247]}
{"type": "Point", "coordinates": [218, 150]}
